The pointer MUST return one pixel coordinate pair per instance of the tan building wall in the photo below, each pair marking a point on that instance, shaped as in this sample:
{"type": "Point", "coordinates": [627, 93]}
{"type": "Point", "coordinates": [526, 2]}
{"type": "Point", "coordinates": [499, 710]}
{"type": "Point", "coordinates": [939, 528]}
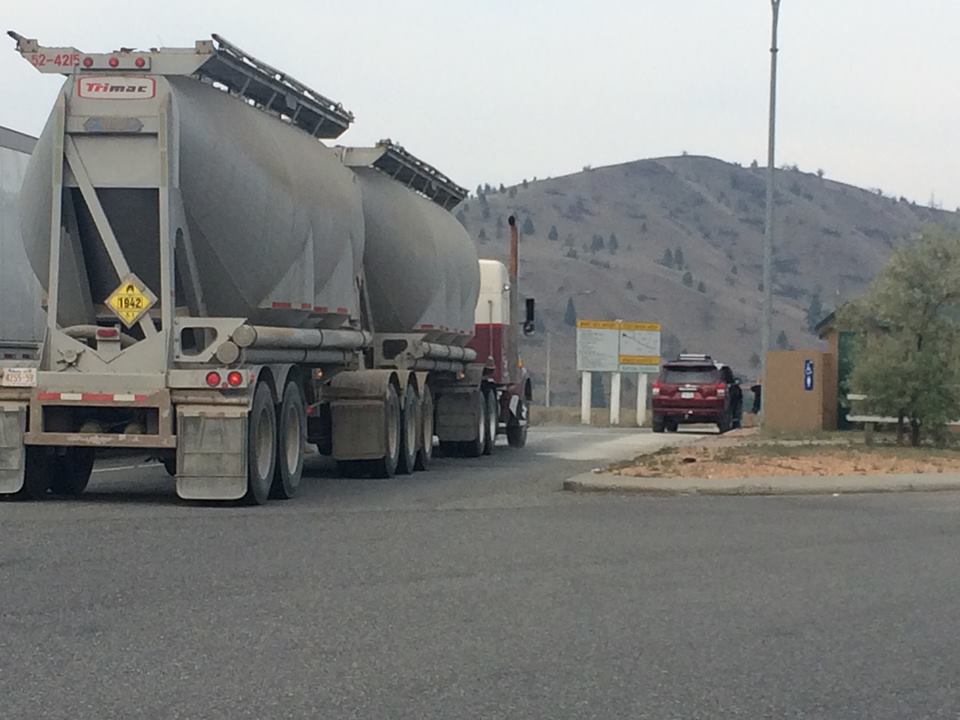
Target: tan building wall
{"type": "Point", "coordinates": [787, 404]}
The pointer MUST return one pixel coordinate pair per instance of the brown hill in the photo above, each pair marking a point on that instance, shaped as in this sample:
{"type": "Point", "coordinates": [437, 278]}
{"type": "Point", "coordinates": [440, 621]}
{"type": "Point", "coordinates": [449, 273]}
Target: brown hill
{"type": "Point", "coordinates": [618, 231]}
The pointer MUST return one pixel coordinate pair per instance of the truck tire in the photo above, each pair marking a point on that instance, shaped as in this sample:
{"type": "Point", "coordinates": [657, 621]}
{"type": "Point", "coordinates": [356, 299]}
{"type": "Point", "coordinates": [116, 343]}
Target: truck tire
{"type": "Point", "coordinates": [475, 447]}
{"type": "Point", "coordinates": [71, 471]}
{"type": "Point", "coordinates": [409, 430]}
{"type": "Point", "coordinates": [425, 451]}
{"type": "Point", "coordinates": [170, 465]}
{"type": "Point", "coordinates": [493, 419]}
{"type": "Point", "coordinates": [386, 466]}
{"type": "Point", "coordinates": [261, 445]}
{"type": "Point", "coordinates": [291, 437]}
{"type": "Point", "coordinates": [517, 427]}
{"type": "Point", "coordinates": [37, 472]}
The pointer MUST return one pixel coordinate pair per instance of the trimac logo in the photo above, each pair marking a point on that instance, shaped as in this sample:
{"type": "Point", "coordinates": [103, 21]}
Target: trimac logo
{"type": "Point", "coordinates": [116, 88]}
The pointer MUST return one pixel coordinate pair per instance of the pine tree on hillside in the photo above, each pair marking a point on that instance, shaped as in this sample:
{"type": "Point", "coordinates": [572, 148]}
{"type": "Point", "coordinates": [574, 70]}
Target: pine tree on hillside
{"type": "Point", "coordinates": [613, 244]}
{"type": "Point", "coordinates": [570, 316]}
{"type": "Point", "coordinates": [667, 259]}
{"type": "Point", "coordinates": [528, 228]}
{"type": "Point", "coordinates": [553, 234]}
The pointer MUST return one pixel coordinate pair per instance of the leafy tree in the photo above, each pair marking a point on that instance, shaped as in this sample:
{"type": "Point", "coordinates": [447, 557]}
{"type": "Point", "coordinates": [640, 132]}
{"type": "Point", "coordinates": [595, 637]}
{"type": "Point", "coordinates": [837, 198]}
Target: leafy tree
{"type": "Point", "coordinates": [688, 279]}
{"type": "Point", "coordinates": [701, 287]}
{"type": "Point", "coordinates": [679, 259]}
{"type": "Point", "coordinates": [782, 341]}
{"type": "Point", "coordinates": [613, 244]}
{"type": "Point", "coordinates": [667, 259]}
{"type": "Point", "coordinates": [907, 327]}
{"type": "Point", "coordinates": [528, 228]}
{"type": "Point", "coordinates": [570, 316]}
{"type": "Point", "coordinates": [820, 173]}
{"type": "Point", "coordinates": [553, 234]}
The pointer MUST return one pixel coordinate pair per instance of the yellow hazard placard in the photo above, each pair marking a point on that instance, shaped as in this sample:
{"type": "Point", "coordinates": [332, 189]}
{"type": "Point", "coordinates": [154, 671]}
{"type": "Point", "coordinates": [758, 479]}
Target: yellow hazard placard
{"type": "Point", "coordinates": [131, 300]}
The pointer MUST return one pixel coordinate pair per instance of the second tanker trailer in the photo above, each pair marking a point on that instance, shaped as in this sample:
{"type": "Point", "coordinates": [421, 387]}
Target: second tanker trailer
{"type": "Point", "coordinates": [224, 288]}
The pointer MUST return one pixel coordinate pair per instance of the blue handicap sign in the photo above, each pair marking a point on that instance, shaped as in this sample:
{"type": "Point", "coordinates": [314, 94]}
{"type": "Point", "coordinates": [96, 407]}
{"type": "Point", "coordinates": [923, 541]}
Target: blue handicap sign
{"type": "Point", "coordinates": [808, 375]}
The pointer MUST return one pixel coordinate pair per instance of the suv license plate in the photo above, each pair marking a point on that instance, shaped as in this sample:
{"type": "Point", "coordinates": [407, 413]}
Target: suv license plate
{"type": "Point", "coordinates": [686, 396]}
{"type": "Point", "coordinates": [18, 377]}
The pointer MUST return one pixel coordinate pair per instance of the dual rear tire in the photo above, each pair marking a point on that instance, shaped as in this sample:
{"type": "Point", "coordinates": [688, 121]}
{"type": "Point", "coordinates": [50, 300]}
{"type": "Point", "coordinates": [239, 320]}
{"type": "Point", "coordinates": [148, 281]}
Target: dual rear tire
{"type": "Point", "coordinates": [276, 437]}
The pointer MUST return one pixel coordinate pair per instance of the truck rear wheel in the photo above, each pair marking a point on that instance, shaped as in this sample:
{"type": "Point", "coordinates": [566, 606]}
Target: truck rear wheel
{"type": "Point", "coordinates": [37, 473]}
{"type": "Point", "coordinates": [425, 451]}
{"type": "Point", "coordinates": [410, 427]}
{"type": "Point", "coordinates": [386, 466]}
{"type": "Point", "coordinates": [493, 419]}
{"type": "Point", "coordinates": [475, 447]}
{"type": "Point", "coordinates": [72, 470]}
{"type": "Point", "coordinates": [291, 436]}
{"type": "Point", "coordinates": [261, 445]}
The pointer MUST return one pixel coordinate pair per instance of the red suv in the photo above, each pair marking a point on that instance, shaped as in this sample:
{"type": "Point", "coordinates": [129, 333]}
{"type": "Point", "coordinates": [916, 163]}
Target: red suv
{"type": "Point", "coordinates": [695, 389]}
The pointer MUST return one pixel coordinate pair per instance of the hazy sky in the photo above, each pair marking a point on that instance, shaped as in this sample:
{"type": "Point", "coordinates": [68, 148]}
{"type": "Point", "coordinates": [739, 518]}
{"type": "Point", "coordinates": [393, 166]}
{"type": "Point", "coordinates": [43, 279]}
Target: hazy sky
{"type": "Point", "coordinates": [496, 91]}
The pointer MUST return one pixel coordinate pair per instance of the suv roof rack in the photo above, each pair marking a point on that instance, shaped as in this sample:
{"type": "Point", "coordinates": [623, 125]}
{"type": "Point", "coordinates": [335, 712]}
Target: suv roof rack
{"type": "Point", "coordinates": [695, 356]}
{"type": "Point", "coordinates": [215, 61]}
{"type": "Point", "coordinates": [392, 159]}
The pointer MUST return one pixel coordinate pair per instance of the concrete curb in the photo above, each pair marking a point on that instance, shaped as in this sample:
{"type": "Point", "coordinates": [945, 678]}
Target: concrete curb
{"type": "Point", "coordinates": [816, 485]}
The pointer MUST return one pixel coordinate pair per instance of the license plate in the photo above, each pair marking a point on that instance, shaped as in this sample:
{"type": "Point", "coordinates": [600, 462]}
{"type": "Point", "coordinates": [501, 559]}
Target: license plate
{"type": "Point", "coordinates": [18, 377]}
{"type": "Point", "coordinates": [686, 396]}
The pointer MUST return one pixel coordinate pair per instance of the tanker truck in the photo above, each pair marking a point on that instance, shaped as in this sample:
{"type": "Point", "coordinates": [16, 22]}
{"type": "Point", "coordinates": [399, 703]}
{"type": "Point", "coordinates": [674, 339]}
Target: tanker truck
{"type": "Point", "coordinates": [225, 286]}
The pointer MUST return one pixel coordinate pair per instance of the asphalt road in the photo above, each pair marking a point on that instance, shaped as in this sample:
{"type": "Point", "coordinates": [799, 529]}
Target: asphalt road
{"type": "Point", "coordinates": [479, 590]}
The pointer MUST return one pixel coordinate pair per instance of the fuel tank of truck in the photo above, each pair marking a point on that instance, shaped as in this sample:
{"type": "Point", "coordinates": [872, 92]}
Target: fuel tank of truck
{"type": "Point", "coordinates": [421, 266]}
{"type": "Point", "coordinates": [272, 219]}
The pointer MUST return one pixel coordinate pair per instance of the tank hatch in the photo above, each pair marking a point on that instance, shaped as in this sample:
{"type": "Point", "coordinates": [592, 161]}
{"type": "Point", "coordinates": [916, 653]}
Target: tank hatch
{"type": "Point", "coordinates": [391, 159]}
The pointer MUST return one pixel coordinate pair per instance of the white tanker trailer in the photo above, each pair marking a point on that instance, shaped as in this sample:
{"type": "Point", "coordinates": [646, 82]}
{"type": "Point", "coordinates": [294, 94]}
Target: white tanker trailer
{"type": "Point", "coordinates": [223, 288]}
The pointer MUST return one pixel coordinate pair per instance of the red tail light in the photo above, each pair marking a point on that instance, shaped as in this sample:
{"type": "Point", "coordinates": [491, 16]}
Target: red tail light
{"type": "Point", "coordinates": [114, 62]}
{"type": "Point", "coordinates": [234, 378]}
{"type": "Point", "coordinates": [656, 388]}
{"type": "Point", "coordinates": [88, 62]}
{"type": "Point", "coordinates": [140, 62]}
{"type": "Point", "coordinates": [213, 378]}
{"type": "Point", "coordinates": [721, 390]}
{"type": "Point", "coordinates": [106, 332]}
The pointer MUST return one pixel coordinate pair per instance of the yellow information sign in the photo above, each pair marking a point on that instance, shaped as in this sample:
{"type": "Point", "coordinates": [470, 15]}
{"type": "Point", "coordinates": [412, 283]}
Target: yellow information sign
{"type": "Point", "coordinates": [131, 300]}
{"type": "Point", "coordinates": [598, 324]}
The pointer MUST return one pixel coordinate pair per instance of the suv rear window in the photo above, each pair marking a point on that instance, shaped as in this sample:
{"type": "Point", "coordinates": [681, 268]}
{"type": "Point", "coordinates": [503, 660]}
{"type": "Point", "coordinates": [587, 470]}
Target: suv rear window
{"type": "Point", "coordinates": [689, 374]}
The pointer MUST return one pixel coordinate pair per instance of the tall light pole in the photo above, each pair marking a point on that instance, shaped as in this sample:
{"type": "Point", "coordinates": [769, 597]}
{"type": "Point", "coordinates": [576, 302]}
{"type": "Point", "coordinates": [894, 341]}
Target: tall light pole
{"type": "Point", "coordinates": [767, 322]}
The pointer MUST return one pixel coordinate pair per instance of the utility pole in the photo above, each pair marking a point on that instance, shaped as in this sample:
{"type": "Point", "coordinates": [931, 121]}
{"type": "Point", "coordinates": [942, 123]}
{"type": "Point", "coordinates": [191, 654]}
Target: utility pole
{"type": "Point", "coordinates": [547, 398]}
{"type": "Point", "coordinates": [767, 322]}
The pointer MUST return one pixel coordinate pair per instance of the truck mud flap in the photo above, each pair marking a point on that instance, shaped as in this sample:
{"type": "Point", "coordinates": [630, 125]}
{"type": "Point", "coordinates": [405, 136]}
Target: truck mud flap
{"type": "Point", "coordinates": [211, 452]}
{"type": "Point", "coordinates": [13, 424]}
{"type": "Point", "coordinates": [458, 414]}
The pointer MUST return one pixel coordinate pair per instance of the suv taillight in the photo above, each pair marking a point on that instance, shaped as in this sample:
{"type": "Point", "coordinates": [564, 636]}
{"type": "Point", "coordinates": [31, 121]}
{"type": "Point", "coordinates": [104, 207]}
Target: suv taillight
{"type": "Point", "coordinates": [656, 388]}
{"type": "Point", "coordinates": [721, 390]}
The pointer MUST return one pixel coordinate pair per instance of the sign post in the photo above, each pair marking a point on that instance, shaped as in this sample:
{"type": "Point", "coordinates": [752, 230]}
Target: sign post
{"type": "Point", "coordinates": [586, 386]}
